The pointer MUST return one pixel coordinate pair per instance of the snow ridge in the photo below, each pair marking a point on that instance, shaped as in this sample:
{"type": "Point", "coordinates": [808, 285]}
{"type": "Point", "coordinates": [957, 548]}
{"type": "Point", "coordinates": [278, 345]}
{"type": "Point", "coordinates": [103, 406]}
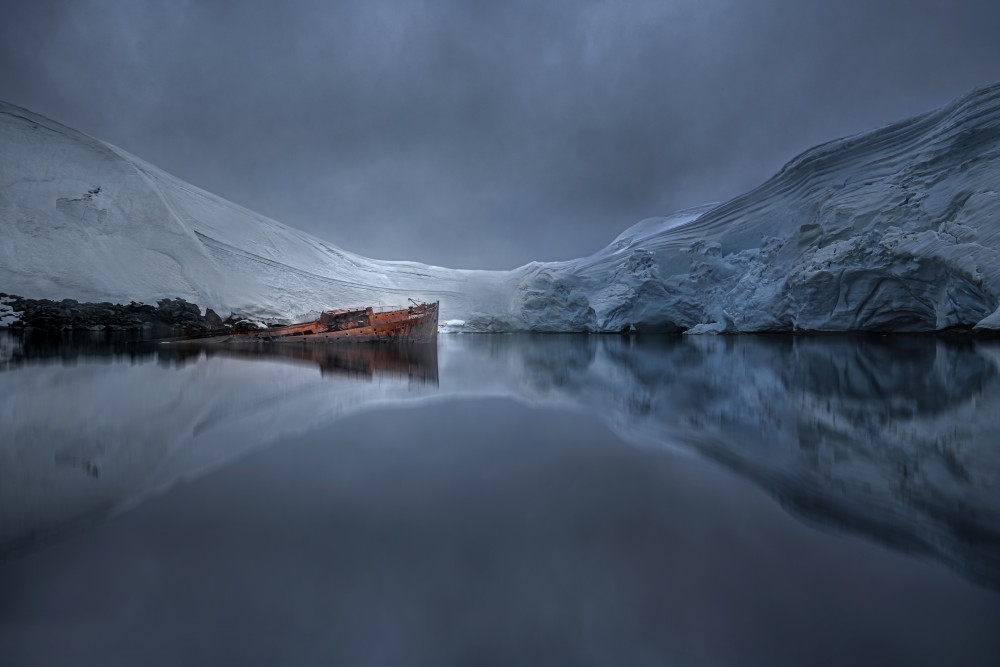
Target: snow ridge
{"type": "Point", "coordinates": [896, 229]}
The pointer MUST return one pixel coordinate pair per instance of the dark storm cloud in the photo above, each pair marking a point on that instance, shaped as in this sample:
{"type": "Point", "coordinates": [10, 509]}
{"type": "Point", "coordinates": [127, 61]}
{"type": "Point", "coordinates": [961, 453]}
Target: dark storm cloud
{"type": "Point", "coordinates": [485, 134]}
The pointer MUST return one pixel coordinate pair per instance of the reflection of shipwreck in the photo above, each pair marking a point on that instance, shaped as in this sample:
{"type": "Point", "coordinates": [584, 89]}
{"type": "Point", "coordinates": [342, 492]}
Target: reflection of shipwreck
{"type": "Point", "coordinates": [413, 362]}
{"type": "Point", "coordinates": [416, 362]}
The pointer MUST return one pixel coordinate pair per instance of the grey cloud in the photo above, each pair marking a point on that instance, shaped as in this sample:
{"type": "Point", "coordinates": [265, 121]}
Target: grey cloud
{"type": "Point", "coordinates": [485, 134]}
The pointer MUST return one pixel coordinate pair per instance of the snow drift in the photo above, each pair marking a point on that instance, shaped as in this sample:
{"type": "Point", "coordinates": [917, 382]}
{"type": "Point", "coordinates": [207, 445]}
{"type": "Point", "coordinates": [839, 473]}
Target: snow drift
{"type": "Point", "coordinates": [896, 229]}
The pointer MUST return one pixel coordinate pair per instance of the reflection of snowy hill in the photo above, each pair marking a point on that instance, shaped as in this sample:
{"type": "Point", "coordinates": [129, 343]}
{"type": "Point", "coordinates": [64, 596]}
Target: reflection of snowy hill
{"type": "Point", "coordinates": [894, 229]}
{"type": "Point", "coordinates": [894, 439]}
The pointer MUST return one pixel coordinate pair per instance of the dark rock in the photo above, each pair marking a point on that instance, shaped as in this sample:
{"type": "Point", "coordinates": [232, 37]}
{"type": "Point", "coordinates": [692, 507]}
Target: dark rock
{"type": "Point", "coordinates": [212, 319]}
{"type": "Point", "coordinates": [245, 325]}
{"type": "Point", "coordinates": [238, 323]}
{"type": "Point", "coordinates": [170, 314]}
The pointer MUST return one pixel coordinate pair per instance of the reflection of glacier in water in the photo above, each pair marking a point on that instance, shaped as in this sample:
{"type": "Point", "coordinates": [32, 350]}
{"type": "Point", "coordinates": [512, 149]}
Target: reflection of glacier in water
{"type": "Point", "coordinates": [892, 438]}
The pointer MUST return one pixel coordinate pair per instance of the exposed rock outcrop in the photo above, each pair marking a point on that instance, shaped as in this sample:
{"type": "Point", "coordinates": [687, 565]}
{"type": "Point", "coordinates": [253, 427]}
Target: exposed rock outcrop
{"type": "Point", "coordinates": [69, 314]}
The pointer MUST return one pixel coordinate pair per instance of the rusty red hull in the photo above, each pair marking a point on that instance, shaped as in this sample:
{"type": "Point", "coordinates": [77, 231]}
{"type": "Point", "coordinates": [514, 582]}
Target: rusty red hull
{"type": "Point", "coordinates": [416, 324]}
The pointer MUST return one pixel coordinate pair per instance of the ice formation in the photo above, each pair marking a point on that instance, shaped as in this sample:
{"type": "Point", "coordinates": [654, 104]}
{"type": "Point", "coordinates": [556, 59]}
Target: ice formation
{"type": "Point", "coordinates": [890, 230]}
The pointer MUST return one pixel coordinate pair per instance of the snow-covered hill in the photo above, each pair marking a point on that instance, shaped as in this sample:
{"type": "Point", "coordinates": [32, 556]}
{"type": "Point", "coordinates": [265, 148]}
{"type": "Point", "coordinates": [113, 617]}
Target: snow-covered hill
{"type": "Point", "coordinates": [84, 220]}
{"type": "Point", "coordinates": [894, 229]}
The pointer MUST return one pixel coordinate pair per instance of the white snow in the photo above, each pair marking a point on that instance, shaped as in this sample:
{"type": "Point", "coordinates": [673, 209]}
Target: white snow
{"type": "Point", "coordinates": [894, 229]}
{"type": "Point", "coordinates": [452, 326]}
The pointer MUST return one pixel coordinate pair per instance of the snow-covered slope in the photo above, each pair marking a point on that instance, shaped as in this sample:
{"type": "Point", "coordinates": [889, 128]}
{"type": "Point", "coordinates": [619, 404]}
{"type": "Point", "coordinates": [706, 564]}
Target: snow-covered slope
{"type": "Point", "coordinates": [894, 229]}
{"type": "Point", "coordinates": [81, 219]}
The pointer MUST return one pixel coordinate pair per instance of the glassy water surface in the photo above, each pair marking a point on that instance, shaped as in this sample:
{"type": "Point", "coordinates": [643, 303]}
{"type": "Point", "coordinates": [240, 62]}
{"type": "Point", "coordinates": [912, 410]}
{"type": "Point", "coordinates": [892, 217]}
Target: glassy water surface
{"type": "Point", "coordinates": [501, 500]}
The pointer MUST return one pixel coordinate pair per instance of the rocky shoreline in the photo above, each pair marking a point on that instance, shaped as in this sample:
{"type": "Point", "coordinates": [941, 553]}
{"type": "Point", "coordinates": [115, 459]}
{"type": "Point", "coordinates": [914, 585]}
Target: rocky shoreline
{"type": "Point", "coordinates": [175, 315]}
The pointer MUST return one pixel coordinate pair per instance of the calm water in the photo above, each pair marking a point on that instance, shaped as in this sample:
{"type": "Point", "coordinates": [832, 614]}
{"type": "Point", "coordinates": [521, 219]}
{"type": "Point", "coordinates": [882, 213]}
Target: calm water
{"type": "Point", "coordinates": [501, 500]}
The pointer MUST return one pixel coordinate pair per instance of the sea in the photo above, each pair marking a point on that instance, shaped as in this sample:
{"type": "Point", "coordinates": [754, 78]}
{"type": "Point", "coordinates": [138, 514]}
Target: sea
{"type": "Point", "coordinates": [500, 500]}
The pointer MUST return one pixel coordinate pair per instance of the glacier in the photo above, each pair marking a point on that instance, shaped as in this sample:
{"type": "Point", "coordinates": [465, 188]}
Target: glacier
{"type": "Point", "coordinates": [895, 229]}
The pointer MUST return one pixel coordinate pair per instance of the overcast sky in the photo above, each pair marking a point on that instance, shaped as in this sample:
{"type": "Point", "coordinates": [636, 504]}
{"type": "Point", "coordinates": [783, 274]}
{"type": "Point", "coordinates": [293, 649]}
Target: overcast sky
{"type": "Point", "coordinates": [485, 135]}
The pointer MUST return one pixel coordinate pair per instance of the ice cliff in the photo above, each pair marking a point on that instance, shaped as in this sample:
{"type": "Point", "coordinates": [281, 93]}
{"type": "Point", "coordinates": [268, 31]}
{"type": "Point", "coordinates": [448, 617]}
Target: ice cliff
{"type": "Point", "coordinates": [896, 229]}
